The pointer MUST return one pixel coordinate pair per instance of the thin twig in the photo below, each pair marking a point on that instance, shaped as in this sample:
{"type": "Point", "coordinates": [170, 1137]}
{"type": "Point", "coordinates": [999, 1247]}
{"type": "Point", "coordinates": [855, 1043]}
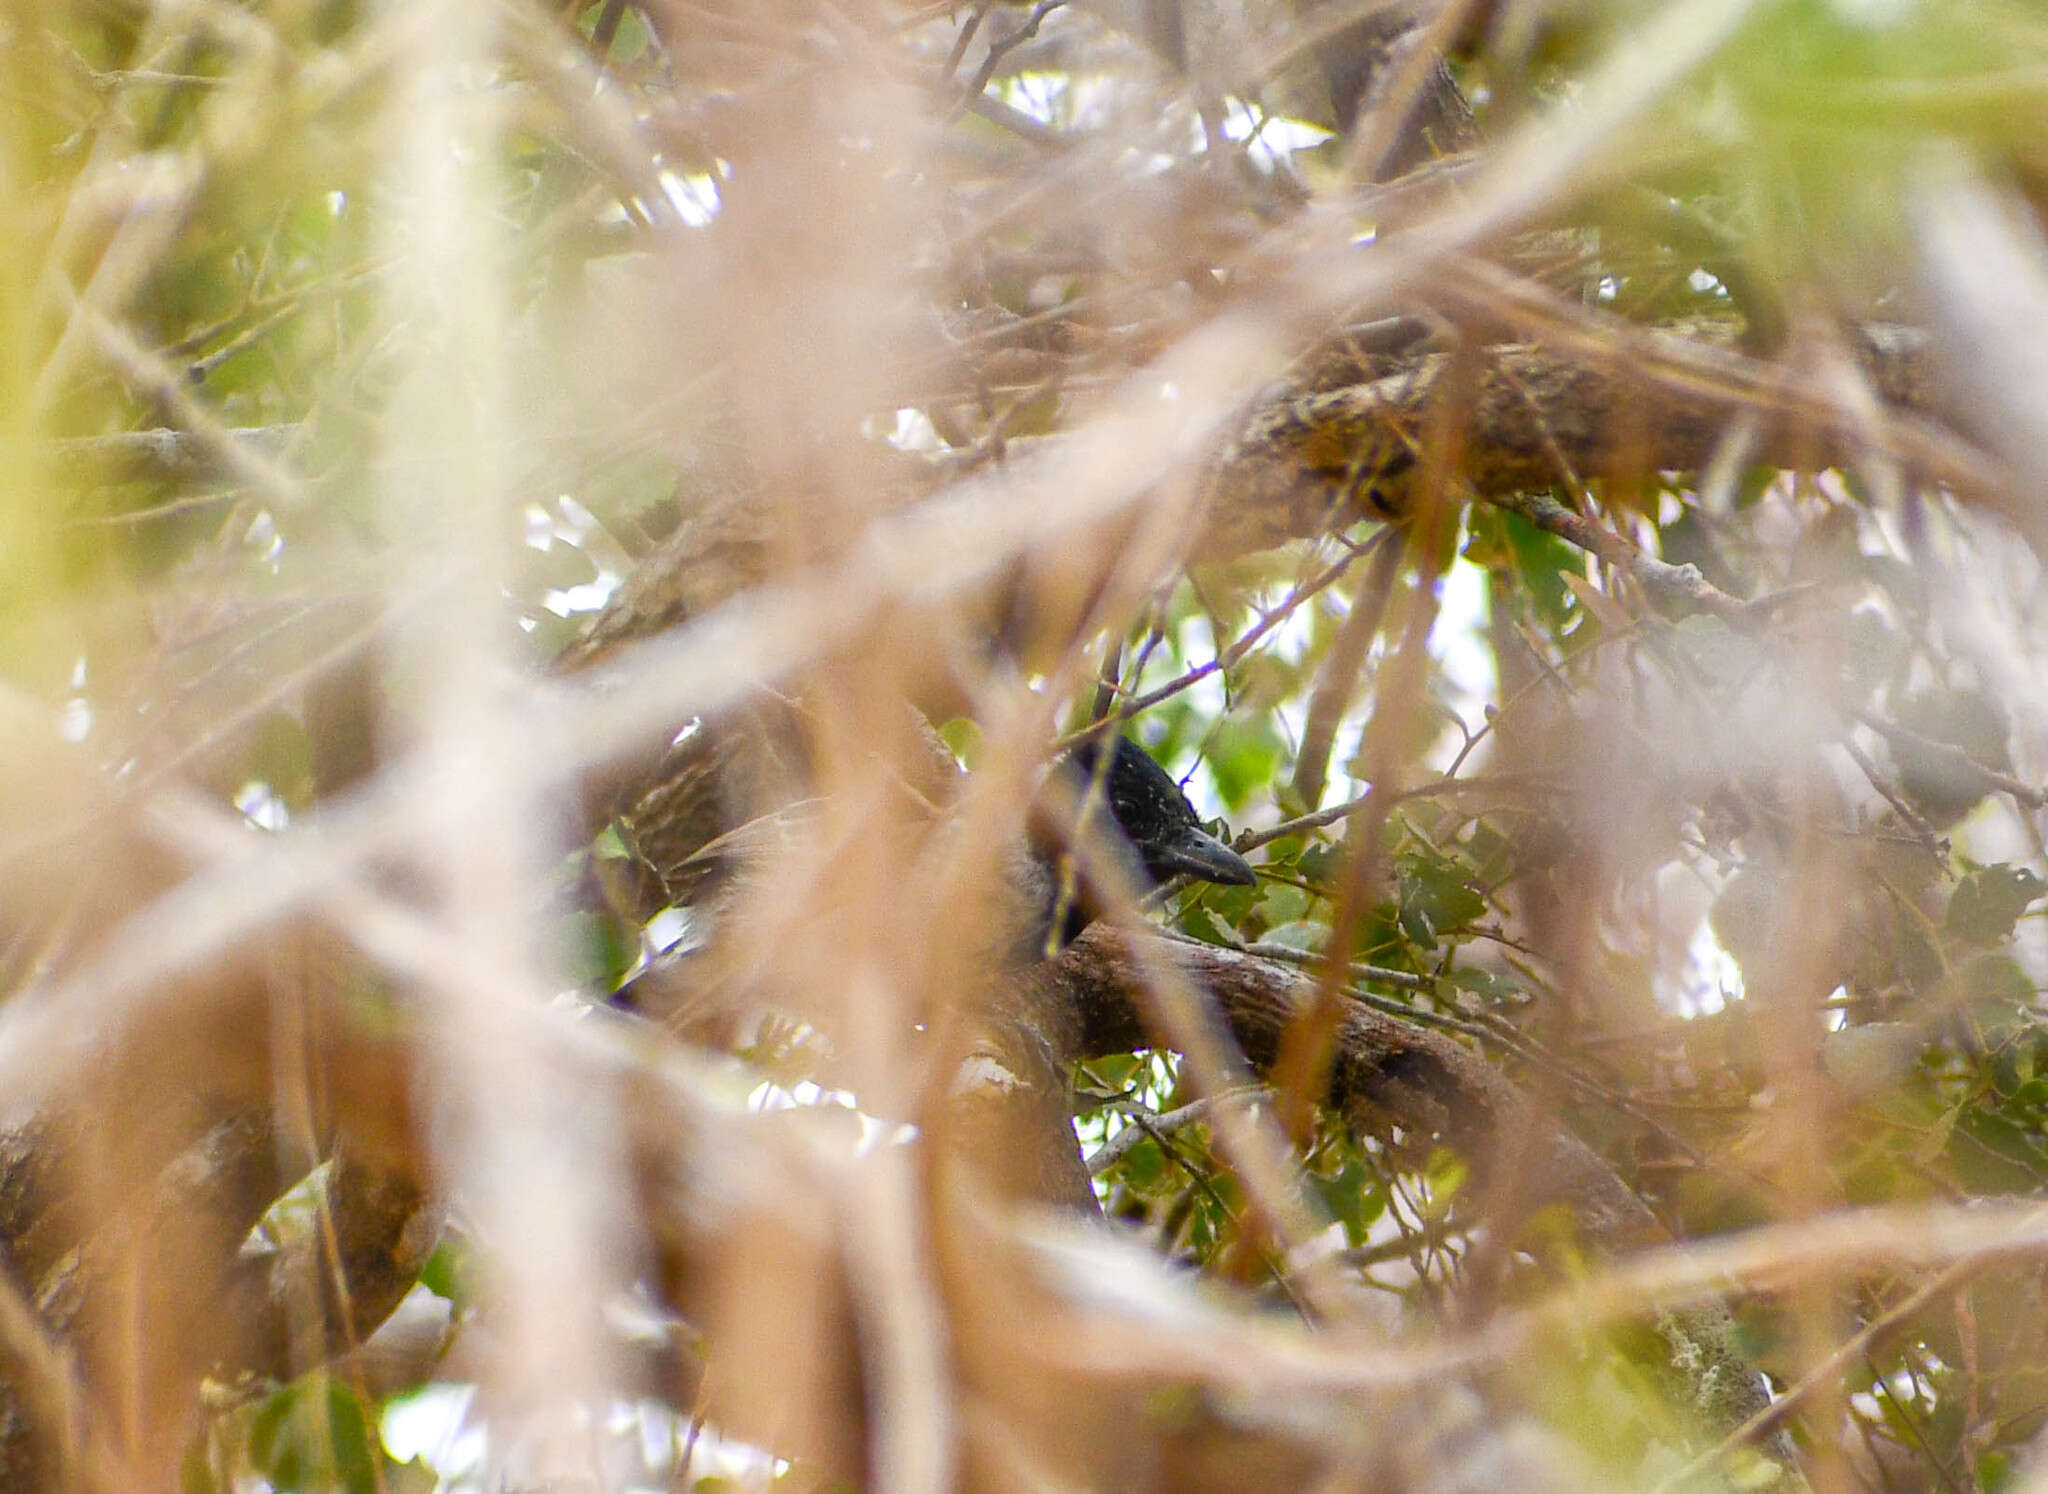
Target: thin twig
{"type": "Point", "coordinates": [1953, 756]}
{"type": "Point", "coordinates": [1163, 1123]}
{"type": "Point", "coordinates": [1224, 660]}
{"type": "Point", "coordinates": [1002, 48]}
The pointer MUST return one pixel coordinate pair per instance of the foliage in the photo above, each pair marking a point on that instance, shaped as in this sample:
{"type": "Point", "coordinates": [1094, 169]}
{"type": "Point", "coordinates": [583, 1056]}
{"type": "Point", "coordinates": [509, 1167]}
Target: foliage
{"type": "Point", "coordinates": [1748, 895]}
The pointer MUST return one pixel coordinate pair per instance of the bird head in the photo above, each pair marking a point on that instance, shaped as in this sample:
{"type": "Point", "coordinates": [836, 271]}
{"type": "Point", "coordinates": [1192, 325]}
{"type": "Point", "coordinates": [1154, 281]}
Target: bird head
{"type": "Point", "coordinates": [1150, 825]}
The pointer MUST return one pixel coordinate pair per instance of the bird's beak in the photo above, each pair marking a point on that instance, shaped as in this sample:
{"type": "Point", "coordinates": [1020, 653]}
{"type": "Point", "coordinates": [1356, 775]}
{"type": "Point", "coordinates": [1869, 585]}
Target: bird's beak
{"type": "Point", "coordinates": [1197, 853]}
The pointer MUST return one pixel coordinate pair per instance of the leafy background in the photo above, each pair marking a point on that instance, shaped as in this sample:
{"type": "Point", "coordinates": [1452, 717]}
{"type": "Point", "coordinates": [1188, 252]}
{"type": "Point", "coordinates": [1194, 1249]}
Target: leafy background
{"type": "Point", "coordinates": [386, 341]}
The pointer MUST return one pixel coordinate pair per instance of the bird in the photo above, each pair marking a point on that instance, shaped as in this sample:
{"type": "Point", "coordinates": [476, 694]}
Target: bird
{"type": "Point", "coordinates": [1105, 826]}
{"type": "Point", "coordinates": [1153, 833]}
{"type": "Point", "coordinates": [1048, 894]}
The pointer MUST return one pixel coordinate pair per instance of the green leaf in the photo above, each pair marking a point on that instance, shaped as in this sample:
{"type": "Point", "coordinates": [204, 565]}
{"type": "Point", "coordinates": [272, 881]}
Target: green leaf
{"type": "Point", "coordinates": [1536, 559]}
{"type": "Point", "coordinates": [1999, 992]}
{"type": "Point", "coordinates": [1205, 1223]}
{"type": "Point", "coordinates": [1244, 756]}
{"type": "Point", "coordinates": [1232, 904]}
{"type": "Point", "coordinates": [1992, 1154]}
{"type": "Point", "coordinates": [1436, 896]}
{"type": "Point", "coordinates": [1756, 481]}
{"type": "Point", "coordinates": [1445, 1174]}
{"type": "Point", "coordinates": [1282, 904]}
{"type": "Point", "coordinates": [962, 737]}
{"type": "Point", "coordinates": [1111, 1076]}
{"type": "Point", "coordinates": [1468, 987]}
{"type": "Point", "coordinates": [1196, 923]}
{"type": "Point", "coordinates": [1968, 720]}
{"type": "Point", "coordinates": [1995, 1470]}
{"type": "Point", "coordinates": [449, 1275]}
{"type": "Point", "coordinates": [314, 1438]}
{"type": "Point", "coordinates": [1144, 1164]}
{"type": "Point", "coordinates": [1318, 866]}
{"type": "Point", "coordinates": [1303, 934]}
{"type": "Point", "coordinates": [1987, 903]}
{"type": "Point", "coordinates": [1352, 1198]}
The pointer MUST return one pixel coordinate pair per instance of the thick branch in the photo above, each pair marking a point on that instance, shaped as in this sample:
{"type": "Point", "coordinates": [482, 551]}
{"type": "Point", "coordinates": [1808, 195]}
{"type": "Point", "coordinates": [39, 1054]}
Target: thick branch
{"type": "Point", "coordinates": [1387, 1073]}
{"type": "Point", "coordinates": [1597, 397]}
